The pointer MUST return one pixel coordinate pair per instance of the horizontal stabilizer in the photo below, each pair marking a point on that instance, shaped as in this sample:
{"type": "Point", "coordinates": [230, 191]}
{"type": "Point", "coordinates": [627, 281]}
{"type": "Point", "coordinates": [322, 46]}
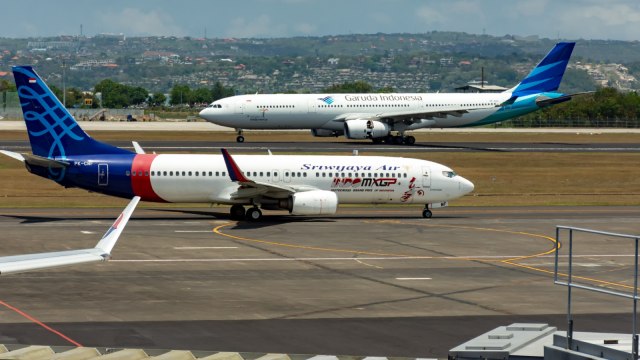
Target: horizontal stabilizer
{"type": "Point", "coordinates": [12, 154]}
{"type": "Point", "coordinates": [543, 101]}
{"type": "Point", "coordinates": [44, 162]}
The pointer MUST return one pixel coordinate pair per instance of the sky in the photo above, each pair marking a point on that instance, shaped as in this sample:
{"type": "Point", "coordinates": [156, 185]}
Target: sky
{"type": "Point", "coordinates": [565, 19]}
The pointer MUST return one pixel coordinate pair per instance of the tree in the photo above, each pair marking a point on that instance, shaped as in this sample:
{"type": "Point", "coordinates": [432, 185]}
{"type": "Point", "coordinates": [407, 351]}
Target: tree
{"type": "Point", "coordinates": [157, 99]}
{"type": "Point", "coordinates": [7, 86]}
{"type": "Point", "coordinates": [358, 87]}
{"type": "Point", "coordinates": [180, 94]}
{"type": "Point", "coordinates": [219, 91]}
{"type": "Point", "coordinates": [115, 95]}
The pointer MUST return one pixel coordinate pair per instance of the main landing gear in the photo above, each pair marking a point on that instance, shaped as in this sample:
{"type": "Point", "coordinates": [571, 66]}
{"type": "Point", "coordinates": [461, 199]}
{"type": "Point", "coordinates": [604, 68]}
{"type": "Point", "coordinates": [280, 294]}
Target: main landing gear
{"type": "Point", "coordinates": [239, 138]}
{"type": "Point", "coordinates": [426, 213]}
{"type": "Point", "coordinates": [396, 140]}
{"type": "Point", "coordinates": [237, 212]}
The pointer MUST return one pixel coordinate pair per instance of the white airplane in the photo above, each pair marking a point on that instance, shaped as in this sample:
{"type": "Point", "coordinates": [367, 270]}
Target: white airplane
{"type": "Point", "coordinates": [306, 185]}
{"type": "Point", "coordinates": [377, 116]}
{"type": "Point", "coordinates": [101, 252]}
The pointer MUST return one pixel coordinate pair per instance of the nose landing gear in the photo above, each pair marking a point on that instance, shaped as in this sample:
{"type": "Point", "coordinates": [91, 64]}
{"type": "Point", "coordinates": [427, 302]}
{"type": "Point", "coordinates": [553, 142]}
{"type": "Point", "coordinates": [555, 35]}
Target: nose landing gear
{"type": "Point", "coordinates": [426, 213]}
{"type": "Point", "coordinates": [239, 138]}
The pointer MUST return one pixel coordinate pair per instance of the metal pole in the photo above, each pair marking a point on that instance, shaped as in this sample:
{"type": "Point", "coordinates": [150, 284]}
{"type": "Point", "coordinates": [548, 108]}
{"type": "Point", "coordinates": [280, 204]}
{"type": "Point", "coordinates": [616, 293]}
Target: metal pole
{"type": "Point", "coordinates": [635, 303]}
{"type": "Point", "coordinates": [569, 318]}
{"type": "Point", "coordinates": [64, 86]}
{"type": "Point", "coordinates": [555, 275]}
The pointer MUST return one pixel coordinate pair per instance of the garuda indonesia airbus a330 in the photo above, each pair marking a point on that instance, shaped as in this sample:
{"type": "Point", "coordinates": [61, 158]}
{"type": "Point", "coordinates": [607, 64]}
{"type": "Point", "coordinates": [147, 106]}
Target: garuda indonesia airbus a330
{"type": "Point", "coordinates": [306, 185]}
{"type": "Point", "coordinates": [379, 116]}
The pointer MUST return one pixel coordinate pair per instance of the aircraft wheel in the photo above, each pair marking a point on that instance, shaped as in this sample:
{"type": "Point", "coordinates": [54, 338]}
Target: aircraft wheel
{"type": "Point", "coordinates": [377, 140]}
{"type": "Point", "coordinates": [427, 214]}
{"type": "Point", "coordinates": [240, 139]}
{"type": "Point", "coordinates": [397, 140]}
{"type": "Point", "coordinates": [237, 212]}
{"type": "Point", "coordinates": [409, 140]}
{"type": "Point", "coordinates": [254, 214]}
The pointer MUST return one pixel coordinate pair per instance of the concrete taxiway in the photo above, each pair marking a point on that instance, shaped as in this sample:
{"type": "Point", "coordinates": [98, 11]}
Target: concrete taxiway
{"type": "Point", "coordinates": [368, 281]}
{"type": "Point", "coordinates": [349, 146]}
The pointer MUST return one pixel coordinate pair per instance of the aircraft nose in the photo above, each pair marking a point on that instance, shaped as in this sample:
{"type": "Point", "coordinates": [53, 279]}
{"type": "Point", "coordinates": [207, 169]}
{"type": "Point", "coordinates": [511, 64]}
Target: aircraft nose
{"type": "Point", "coordinates": [204, 113]}
{"type": "Point", "coordinates": [466, 186]}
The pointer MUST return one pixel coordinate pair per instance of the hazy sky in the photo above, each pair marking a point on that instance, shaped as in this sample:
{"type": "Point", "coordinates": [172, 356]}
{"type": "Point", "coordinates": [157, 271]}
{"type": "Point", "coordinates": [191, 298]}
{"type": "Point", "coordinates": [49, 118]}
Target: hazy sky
{"type": "Point", "coordinates": [569, 19]}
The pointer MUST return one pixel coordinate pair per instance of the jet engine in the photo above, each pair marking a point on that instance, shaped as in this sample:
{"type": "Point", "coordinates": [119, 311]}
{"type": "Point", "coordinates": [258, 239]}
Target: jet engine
{"type": "Point", "coordinates": [315, 202]}
{"type": "Point", "coordinates": [365, 129]}
{"type": "Point", "coordinates": [326, 133]}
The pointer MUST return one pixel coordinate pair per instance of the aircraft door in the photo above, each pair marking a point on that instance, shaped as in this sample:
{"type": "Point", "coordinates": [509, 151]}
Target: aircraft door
{"type": "Point", "coordinates": [426, 177]}
{"type": "Point", "coordinates": [103, 174]}
{"type": "Point", "coordinates": [275, 177]}
{"type": "Point", "coordinates": [287, 176]}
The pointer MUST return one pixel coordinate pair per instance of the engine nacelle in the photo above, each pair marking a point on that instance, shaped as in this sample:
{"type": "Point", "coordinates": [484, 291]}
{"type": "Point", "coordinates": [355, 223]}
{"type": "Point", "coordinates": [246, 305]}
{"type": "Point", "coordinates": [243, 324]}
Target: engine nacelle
{"type": "Point", "coordinates": [316, 202]}
{"type": "Point", "coordinates": [326, 133]}
{"type": "Point", "coordinates": [365, 129]}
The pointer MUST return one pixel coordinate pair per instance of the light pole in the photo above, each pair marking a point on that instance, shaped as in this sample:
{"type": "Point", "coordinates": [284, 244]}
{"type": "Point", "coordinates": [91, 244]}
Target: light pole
{"type": "Point", "coordinates": [64, 87]}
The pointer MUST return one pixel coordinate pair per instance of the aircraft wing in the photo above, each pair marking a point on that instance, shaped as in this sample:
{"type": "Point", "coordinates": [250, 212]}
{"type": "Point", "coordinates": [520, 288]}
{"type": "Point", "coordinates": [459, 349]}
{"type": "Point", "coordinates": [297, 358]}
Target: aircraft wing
{"type": "Point", "coordinates": [249, 188]}
{"type": "Point", "coordinates": [101, 252]}
{"type": "Point", "coordinates": [411, 116]}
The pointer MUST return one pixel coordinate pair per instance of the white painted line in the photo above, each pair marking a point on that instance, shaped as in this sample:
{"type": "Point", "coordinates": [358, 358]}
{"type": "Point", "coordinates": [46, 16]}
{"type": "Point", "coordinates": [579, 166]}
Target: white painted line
{"type": "Point", "coordinates": [193, 231]}
{"type": "Point", "coordinates": [87, 232]}
{"type": "Point", "coordinates": [203, 247]}
{"type": "Point", "coordinates": [416, 278]}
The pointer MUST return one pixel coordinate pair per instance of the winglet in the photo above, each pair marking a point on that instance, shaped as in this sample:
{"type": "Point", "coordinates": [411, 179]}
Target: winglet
{"type": "Point", "coordinates": [109, 239]}
{"type": "Point", "coordinates": [234, 171]}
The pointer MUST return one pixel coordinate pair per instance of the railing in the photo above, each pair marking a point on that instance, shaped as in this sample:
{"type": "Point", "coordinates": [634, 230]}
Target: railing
{"type": "Point", "coordinates": [570, 284]}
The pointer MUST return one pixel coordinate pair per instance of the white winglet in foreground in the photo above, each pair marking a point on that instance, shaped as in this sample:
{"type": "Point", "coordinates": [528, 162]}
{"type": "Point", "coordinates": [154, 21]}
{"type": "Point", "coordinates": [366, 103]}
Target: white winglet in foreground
{"type": "Point", "coordinates": [102, 251]}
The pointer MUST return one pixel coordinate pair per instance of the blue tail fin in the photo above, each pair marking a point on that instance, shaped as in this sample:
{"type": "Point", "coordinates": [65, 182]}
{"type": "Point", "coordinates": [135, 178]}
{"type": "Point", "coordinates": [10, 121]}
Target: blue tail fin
{"type": "Point", "coordinates": [53, 132]}
{"type": "Point", "coordinates": [548, 74]}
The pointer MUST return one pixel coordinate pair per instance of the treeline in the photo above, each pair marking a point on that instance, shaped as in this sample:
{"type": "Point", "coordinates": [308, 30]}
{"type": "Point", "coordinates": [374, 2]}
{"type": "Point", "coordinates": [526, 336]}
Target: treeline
{"type": "Point", "coordinates": [118, 96]}
{"type": "Point", "coordinates": [607, 107]}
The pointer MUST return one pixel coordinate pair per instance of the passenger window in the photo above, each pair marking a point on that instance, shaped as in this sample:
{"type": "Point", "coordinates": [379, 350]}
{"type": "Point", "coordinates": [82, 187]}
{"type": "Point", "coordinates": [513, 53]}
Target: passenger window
{"type": "Point", "coordinates": [170, 173]}
{"type": "Point", "coordinates": [164, 173]}
{"type": "Point", "coordinates": [197, 173]}
{"type": "Point", "coordinates": [128, 173]}
{"type": "Point", "coordinates": [146, 173]}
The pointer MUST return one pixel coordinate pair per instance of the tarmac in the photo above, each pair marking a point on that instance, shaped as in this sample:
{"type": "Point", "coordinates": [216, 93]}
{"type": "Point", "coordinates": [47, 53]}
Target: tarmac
{"type": "Point", "coordinates": [378, 281]}
{"type": "Point", "coordinates": [182, 125]}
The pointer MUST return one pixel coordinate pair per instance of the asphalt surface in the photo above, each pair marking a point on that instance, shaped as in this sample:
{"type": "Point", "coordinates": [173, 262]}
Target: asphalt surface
{"type": "Point", "coordinates": [368, 281]}
{"type": "Point", "coordinates": [346, 145]}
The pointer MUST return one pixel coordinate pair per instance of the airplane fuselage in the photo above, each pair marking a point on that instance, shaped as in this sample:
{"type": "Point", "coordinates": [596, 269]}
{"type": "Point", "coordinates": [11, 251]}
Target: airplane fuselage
{"type": "Point", "coordinates": [205, 178]}
{"type": "Point", "coordinates": [330, 111]}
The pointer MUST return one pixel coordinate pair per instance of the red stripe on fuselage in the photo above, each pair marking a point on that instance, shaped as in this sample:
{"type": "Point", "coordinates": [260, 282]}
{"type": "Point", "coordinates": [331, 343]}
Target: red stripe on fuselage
{"type": "Point", "coordinates": [141, 178]}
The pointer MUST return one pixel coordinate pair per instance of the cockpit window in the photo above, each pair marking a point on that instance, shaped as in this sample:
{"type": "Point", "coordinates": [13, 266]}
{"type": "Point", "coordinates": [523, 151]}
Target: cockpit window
{"type": "Point", "coordinates": [449, 174]}
{"type": "Point", "coordinates": [215, 106]}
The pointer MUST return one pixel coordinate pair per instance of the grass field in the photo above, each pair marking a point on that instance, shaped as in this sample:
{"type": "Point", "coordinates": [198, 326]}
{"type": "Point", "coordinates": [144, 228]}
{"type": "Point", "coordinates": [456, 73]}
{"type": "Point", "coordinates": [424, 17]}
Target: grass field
{"type": "Point", "coordinates": [500, 178]}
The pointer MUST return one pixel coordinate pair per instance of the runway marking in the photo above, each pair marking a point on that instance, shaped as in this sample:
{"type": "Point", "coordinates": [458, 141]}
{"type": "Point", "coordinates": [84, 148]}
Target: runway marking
{"type": "Point", "coordinates": [203, 247]}
{"type": "Point", "coordinates": [192, 231]}
{"type": "Point", "coordinates": [40, 323]}
{"type": "Point", "coordinates": [383, 258]}
{"type": "Point", "coordinates": [412, 278]}
{"type": "Point", "coordinates": [87, 232]}
{"type": "Point", "coordinates": [509, 261]}
{"type": "Point", "coordinates": [217, 231]}
{"type": "Point", "coordinates": [370, 265]}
